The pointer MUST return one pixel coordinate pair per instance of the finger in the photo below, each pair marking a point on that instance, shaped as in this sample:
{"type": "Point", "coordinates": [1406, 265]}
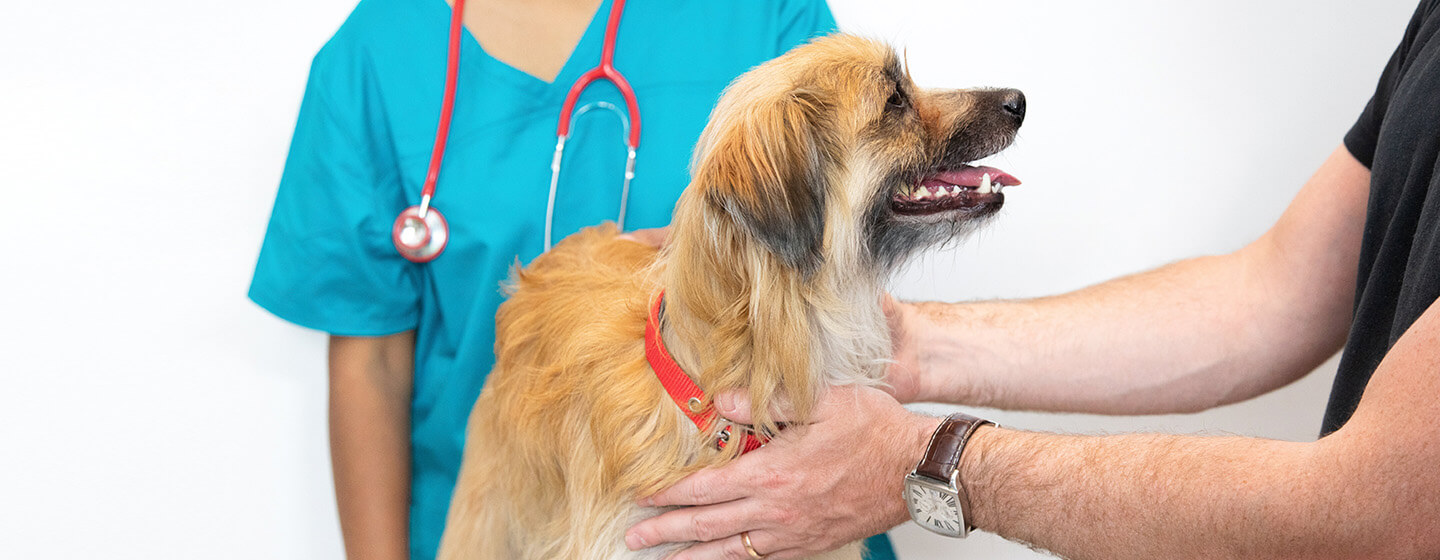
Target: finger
{"type": "Point", "coordinates": [694, 524]}
{"type": "Point", "coordinates": [733, 548]}
{"type": "Point", "coordinates": [705, 487]}
{"type": "Point", "coordinates": [890, 306]}
{"type": "Point", "coordinates": [735, 406]}
{"type": "Point", "coordinates": [654, 237]}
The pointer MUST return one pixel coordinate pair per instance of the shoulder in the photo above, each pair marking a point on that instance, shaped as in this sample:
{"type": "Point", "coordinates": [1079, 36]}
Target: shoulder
{"type": "Point", "coordinates": [802, 9]}
{"type": "Point", "coordinates": [743, 19]}
{"type": "Point", "coordinates": [723, 39]}
{"type": "Point", "coordinates": [381, 34]}
{"type": "Point", "coordinates": [379, 23]}
{"type": "Point", "coordinates": [382, 46]}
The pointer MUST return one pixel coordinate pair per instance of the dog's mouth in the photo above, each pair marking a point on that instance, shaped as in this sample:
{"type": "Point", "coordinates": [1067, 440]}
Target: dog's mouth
{"type": "Point", "coordinates": [966, 188]}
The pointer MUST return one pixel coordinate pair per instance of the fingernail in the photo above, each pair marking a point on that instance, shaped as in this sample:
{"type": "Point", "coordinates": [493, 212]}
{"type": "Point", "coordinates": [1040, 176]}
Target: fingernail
{"type": "Point", "coordinates": [726, 402]}
{"type": "Point", "coordinates": [635, 542]}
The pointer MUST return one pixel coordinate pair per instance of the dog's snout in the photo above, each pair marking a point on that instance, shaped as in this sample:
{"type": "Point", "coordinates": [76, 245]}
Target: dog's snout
{"type": "Point", "coordinates": [1012, 101]}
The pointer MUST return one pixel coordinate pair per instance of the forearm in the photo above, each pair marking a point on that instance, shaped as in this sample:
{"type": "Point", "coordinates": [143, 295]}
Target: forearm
{"type": "Point", "coordinates": [1166, 496]}
{"type": "Point", "coordinates": [1369, 490]}
{"type": "Point", "coordinates": [370, 388]}
{"type": "Point", "coordinates": [1184, 337]}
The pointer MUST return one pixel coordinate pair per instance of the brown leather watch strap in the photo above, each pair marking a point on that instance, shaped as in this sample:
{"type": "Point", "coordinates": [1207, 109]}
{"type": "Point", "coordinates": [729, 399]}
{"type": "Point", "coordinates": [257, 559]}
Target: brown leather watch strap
{"type": "Point", "coordinates": [943, 455]}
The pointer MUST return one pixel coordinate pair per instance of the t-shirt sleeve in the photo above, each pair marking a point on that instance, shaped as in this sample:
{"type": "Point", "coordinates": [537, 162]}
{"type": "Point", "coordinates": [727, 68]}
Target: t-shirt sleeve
{"type": "Point", "coordinates": [327, 261]}
{"type": "Point", "coordinates": [802, 20]}
{"type": "Point", "coordinates": [1362, 137]}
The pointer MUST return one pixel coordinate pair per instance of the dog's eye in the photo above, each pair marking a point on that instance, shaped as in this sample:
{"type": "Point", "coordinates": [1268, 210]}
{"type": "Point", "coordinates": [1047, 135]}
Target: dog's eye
{"type": "Point", "coordinates": [897, 100]}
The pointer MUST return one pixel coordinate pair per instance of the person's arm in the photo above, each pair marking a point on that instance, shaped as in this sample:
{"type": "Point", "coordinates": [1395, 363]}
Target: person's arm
{"type": "Point", "coordinates": [371, 380]}
{"type": "Point", "coordinates": [1186, 337]}
{"type": "Point", "coordinates": [1369, 490]}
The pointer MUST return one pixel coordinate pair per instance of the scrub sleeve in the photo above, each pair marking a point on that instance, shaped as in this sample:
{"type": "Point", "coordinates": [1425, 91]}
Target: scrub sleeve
{"type": "Point", "coordinates": [327, 262]}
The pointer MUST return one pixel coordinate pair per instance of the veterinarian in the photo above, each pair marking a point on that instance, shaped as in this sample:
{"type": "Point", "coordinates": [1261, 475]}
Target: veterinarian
{"type": "Point", "coordinates": [1354, 260]}
{"type": "Point", "coordinates": [411, 343]}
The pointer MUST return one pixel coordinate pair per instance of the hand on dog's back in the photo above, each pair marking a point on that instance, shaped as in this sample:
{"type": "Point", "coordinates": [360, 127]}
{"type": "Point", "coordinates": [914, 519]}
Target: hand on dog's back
{"type": "Point", "coordinates": [654, 237]}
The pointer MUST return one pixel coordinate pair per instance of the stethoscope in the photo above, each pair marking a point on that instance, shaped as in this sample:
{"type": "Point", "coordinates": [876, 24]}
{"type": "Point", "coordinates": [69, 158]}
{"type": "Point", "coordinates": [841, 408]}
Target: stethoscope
{"type": "Point", "coordinates": [420, 232]}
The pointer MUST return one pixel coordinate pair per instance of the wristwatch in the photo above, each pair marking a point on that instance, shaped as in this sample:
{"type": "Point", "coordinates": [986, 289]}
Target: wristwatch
{"type": "Point", "coordinates": [933, 493]}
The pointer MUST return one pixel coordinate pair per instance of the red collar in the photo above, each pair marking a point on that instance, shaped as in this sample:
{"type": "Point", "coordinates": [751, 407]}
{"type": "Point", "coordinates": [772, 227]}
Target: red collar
{"type": "Point", "coordinates": [686, 394]}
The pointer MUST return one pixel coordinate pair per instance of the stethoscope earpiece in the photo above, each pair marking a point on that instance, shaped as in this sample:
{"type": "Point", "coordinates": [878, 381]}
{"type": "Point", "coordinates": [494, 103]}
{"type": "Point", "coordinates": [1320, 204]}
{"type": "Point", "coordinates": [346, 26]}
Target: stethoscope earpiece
{"type": "Point", "coordinates": [420, 234]}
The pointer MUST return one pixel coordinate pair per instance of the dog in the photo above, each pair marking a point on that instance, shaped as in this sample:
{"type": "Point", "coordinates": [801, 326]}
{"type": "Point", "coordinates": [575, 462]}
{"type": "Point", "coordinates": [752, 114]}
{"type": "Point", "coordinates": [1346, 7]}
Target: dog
{"type": "Point", "coordinates": [818, 174]}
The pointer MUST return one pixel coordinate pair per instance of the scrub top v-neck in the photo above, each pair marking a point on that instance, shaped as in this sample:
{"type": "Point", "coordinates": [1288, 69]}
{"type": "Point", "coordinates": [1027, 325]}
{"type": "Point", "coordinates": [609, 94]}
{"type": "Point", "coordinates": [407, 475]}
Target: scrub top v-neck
{"type": "Point", "coordinates": [360, 151]}
{"type": "Point", "coordinates": [584, 55]}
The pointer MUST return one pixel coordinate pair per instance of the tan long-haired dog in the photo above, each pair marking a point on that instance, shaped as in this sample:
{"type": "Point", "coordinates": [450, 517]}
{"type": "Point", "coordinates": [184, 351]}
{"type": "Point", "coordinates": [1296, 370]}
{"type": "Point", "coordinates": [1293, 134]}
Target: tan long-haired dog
{"type": "Point", "coordinates": [817, 174]}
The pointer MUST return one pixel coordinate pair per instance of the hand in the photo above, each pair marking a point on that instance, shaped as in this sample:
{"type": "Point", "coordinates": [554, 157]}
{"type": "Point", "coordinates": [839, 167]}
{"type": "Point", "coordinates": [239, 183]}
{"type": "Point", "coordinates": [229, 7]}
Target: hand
{"type": "Point", "coordinates": [903, 376]}
{"type": "Point", "coordinates": [654, 237]}
{"type": "Point", "coordinates": [813, 488]}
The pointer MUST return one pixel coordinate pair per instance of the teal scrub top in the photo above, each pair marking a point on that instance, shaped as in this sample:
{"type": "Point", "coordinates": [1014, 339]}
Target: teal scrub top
{"type": "Point", "coordinates": [361, 150]}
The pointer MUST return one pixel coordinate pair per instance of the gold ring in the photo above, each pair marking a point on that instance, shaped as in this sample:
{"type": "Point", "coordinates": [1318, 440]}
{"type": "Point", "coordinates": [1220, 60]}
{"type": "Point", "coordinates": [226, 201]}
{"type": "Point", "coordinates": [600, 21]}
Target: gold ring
{"type": "Point", "coordinates": [745, 540]}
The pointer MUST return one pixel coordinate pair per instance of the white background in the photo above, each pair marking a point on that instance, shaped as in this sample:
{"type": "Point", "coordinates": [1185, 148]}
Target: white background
{"type": "Point", "coordinates": [148, 410]}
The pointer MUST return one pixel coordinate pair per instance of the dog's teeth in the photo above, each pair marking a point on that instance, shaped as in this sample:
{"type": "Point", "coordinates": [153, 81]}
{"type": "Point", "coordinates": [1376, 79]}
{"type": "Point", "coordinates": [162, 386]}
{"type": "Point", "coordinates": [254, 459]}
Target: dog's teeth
{"type": "Point", "coordinates": [985, 184]}
{"type": "Point", "coordinates": [954, 189]}
{"type": "Point", "coordinates": [921, 192]}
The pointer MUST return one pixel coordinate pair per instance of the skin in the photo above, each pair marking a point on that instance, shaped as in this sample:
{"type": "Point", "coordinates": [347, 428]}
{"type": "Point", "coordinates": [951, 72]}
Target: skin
{"type": "Point", "coordinates": [1185, 337]}
{"type": "Point", "coordinates": [533, 36]}
{"type": "Point", "coordinates": [371, 381]}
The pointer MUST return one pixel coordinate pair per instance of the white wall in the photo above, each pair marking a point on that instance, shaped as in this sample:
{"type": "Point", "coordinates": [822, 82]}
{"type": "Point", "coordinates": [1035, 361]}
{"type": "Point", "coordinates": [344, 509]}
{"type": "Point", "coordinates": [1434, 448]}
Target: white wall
{"type": "Point", "coordinates": [147, 410]}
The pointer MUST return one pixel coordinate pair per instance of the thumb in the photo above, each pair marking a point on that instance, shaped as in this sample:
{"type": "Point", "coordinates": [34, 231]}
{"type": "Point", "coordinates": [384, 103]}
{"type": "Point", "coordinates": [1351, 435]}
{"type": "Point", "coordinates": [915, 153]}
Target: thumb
{"type": "Point", "coordinates": [735, 406]}
{"type": "Point", "coordinates": [654, 237]}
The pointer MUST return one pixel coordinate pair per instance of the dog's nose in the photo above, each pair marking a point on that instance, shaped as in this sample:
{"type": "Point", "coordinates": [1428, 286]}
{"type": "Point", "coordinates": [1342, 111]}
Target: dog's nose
{"type": "Point", "coordinates": [1012, 101]}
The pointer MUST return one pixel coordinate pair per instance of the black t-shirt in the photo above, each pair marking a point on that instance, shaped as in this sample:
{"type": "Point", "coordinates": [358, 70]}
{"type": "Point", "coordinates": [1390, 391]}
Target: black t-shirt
{"type": "Point", "coordinates": [1398, 138]}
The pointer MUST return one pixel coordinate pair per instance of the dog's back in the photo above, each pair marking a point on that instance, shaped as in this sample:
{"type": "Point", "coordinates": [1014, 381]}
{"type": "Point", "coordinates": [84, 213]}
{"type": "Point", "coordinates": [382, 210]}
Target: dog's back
{"type": "Point", "coordinates": [571, 425]}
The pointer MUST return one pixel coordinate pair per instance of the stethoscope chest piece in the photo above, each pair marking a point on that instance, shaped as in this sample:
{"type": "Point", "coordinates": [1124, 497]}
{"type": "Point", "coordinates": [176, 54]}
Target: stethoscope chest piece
{"type": "Point", "coordinates": [420, 234]}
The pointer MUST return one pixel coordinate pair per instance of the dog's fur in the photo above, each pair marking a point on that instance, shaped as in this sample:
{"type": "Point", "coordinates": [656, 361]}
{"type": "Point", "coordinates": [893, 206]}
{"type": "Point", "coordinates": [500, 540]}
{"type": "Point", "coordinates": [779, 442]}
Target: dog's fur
{"type": "Point", "coordinates": [772, 277]}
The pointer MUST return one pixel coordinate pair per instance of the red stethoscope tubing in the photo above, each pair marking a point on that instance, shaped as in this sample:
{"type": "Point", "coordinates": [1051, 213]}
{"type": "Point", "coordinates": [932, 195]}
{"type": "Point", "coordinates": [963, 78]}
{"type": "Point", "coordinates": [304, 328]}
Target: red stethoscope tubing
{"type": "Point", "coordinates": [447, 105]}
{"type": "Point", "coordinates": [606, 71]}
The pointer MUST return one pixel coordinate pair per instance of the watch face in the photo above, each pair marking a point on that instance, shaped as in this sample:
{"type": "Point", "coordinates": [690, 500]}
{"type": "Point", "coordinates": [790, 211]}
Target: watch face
{"type": "Point", "coordinates": [935, 508]}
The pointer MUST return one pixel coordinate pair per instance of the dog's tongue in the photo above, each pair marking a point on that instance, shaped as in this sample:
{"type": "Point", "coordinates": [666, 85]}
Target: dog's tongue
{"type": "Point", "coordinates": [970, 176]}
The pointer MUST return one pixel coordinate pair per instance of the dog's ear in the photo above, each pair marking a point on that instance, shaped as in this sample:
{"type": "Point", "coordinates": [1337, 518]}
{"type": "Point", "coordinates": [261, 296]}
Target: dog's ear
{"type": "Point", "coordinates": [766, 170]}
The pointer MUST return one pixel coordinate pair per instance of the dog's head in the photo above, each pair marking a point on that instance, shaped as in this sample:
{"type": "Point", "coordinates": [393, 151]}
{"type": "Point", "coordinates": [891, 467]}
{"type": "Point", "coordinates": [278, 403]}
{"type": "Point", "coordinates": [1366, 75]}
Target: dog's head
{"type": "Point", "coordinates": [830, 154]}
{"type": "Point", "coordinates": [818, 172]}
